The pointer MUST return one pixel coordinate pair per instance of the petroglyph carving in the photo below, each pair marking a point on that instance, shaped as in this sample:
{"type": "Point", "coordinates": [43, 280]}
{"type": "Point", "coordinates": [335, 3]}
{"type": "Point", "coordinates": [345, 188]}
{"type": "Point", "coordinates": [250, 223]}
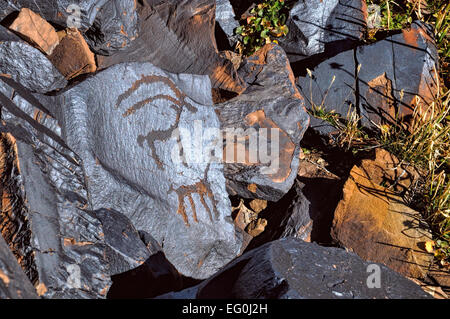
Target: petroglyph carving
{"type": "Point", "coordinates": [178, 103]}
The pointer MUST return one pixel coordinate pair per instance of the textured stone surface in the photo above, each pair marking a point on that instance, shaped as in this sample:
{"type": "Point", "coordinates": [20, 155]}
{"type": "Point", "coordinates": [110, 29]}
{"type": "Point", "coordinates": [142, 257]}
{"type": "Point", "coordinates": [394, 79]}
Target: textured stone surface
{"type": "Point", "coordinates": [409, 62]}
{"type": "Point", "coordinates": [291, 268]}
{"type": "Point", "coordinates": [14, 219]}
{"type": "Point", "coordinates": [69, 247]}
{"type": "Point", "coordinates": [72, 57]}
{"type": "Point", "coordinates": [35, 29]}
{"type": "Point", "coordinates": [57, 11]}
{"type": "Point", "coordinates": [13, 282]}
{"type": "Point", "coordinates": [75, 250]}
{"type": "Point", "coordinates": [375, 224]}
{"type": "Point", "coordinates": [380, 79]}
{"type": "Point", "coordinates": [178, 36]}
{"type": "Point", "coordinates": [227, 20]}
{"type": "Point", "coordinates": [270, 103]}
{"type": "Point", "coordinates": [440, 275]}
{"type": "Point", "coordinates": [316, 26]}
{"type": "Point", "coordinates": [115, 26]}
{"type": "Point", "coordinates": [387, 170]}
{"type": "Point", "coordinates": [123, 124]}
{"type": "Point", "coordinates": [27, 65]}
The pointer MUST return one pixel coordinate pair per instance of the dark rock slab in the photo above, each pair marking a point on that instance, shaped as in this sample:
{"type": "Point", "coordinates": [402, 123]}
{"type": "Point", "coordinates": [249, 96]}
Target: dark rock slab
{"type": "Point", "coordinates": [125, 249]}
{"type": "Point", "coordinates": [376, 81]}
{"type": "Point", "coordinates": [28, 65]}
{"type": "Point", "coordinates": [409, 64]}
{"type": "Point", "coordinates": [289, 217]}
{"type": "Point", "coordinates": [271, 104]}
{"type": "Point", "coordinates": [68, 243]}
{"type": "Point", "coordinates": [127, 124]}
{"type": "Point", "coordinates": [178, 36]}
{"type": "Point", "coordinates": [14, 284]}
{"type": "Point", "coordinates": [331, 87]}
{"type": "Point", "coordinates": [316, 26]}
{"type": "Point", "coordinates": [297, 222]}
{"type": "Point", "coordinates": [291, 268]}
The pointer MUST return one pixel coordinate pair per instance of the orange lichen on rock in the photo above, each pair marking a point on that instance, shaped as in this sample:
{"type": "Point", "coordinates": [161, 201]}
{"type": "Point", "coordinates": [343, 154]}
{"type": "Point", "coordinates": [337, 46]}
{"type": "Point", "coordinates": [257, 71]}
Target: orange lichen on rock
{"type": "Point", "coordinates": [286, 147]}
{"type": "Point", "coordinates": [73, 242]}
{"type": "Point", "coordinates": [41, 289]}
{"type": "Point", "coordinates": [4, 278]}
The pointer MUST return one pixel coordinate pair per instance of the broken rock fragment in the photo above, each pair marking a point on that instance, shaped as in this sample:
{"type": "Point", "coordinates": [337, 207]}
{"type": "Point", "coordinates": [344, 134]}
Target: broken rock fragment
{"type": "Point", "coordinates": [72, 57]}
{"type": "Point", "coordinates": [61, 12]}
{"type": "Point", "coordinates": [108, 25]}
{"type": "Point", "coordinates": [289, 217]}
{"type": "Point", "coordinates": [36, 30]}
{"type": "Point", "coordinates": [374, 223]}
{"type": "Point", "coordinates": [292, 268]}
{"type": "Point", "coordinates": [264, 127]}
{"type": "Point", "coordinates": [376, 81]}
{"type": "Point", "coordinates": [125, 249]}
{"type": "Point", "coordinates": [316, 26]}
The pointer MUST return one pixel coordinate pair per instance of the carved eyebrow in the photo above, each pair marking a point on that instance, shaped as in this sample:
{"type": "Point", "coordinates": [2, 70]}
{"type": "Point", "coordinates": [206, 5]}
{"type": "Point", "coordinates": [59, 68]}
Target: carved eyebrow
{"type": "Point", "coordinates": [148, 80]}
{"type": "Point", "coordinates": [131, 110]}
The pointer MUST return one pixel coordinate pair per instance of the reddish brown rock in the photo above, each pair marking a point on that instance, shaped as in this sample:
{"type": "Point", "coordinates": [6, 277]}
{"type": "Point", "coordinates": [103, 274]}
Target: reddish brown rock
{"type": "Point", "coordinates": [441, 276]}
{"type": "Point", "coordinates": [33, 28]}
{"type": "Point", "coordinates": [387, 170]}
{"type": "Point", "coordinates": [375, 224]}
{"type": "Point", "coordinates": [243, 215]}
{"type": "Point", "coordinates": [258, 205]}
{"type": "Point", "coordinates": [257, 227]}
{"type": "Point", "coordinates": [72, 57]}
